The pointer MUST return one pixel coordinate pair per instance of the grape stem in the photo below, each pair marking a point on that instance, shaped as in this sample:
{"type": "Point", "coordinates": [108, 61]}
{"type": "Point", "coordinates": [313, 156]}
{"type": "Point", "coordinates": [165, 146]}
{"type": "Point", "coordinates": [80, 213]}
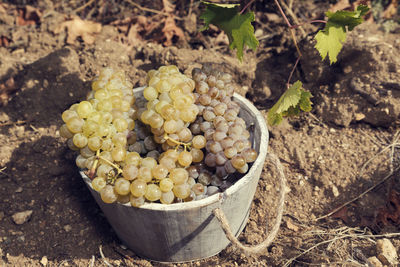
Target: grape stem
{"type": "Point", "coordinates": [112, 164]}
{"type": "Point", "coordinates": [185, 145]}
{"type": "Point", "coordinates": [92, 171]}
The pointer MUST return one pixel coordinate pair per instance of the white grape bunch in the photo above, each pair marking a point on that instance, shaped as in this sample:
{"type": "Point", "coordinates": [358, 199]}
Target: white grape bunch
{"type": "Point", "coordinates": [177, 142]}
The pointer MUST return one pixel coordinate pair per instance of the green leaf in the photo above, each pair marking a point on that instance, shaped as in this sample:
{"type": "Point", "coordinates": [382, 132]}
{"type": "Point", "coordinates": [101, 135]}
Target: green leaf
{"type": "Point", "coordinates": [330, 39]}
{"type": "Point", "coordinates": [293, 100]}
{"type": "Point", "coordinates": [237, 26]}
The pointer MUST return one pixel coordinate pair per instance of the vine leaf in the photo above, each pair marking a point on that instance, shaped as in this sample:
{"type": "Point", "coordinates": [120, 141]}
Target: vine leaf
{"type": "Point", "coordinates": [330, 39]}
{"type": "Point", "coordinates": [237, 26]}
{"type": "Point", "coordinates": [293, 100]}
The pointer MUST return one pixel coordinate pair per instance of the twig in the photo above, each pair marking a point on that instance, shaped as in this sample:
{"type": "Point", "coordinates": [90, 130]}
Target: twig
{"type": "Point", "coordinates": [104, 259]}
{"type": "Point", "coordinates": [294, 17]}
{"type": "Point", "coordinates": [342, 233]}
{"type": "Point", "coordinates": [18, 122]}
{"type": "Point", "coordinates": [358, 197]}
{"type": "Point", "coordinates": [291, 73]}
{"type": "Point", "coordinates": [152, 10]}
{"type": "Point", "coordinates": [315, 246]}
{"type": "Point", "coordinates": [190, 8]}
{"type": "Point", "coordinates": [79, 9]}
{"type": "Point", "coordinates": [246, 6]}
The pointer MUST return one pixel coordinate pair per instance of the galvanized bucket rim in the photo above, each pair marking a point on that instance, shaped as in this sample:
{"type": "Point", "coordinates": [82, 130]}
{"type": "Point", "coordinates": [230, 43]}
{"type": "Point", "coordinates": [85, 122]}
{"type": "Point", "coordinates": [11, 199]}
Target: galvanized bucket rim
{"type": "Point", "coordinates": [219, 196]}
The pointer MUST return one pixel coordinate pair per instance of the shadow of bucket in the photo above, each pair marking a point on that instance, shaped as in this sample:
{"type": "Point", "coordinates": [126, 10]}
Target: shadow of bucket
{"type": "Point", "coordinates": [189, 231]}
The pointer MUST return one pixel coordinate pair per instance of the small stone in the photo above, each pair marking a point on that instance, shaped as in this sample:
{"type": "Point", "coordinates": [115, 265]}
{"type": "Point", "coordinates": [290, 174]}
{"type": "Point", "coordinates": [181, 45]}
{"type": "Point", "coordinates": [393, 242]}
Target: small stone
{"type": "Point", "coordinates": [44, 261]}
{"type": "Point", "coordinates": [22, 217]}
{"type": "Point", "coordinates": [67, 228]}
{"type": "Point", "coordinates": [359, 116]}
{"type": "Point", "coordinates": [375, 262]}
{"type": "Point", "coordinates": [18, 190]}
{"type": "Point", "coordinates": [291, 225]}
{"type": "Point", "coordinates": [386, 252]}
{"type": "Point", "coordinates": [335, 191]}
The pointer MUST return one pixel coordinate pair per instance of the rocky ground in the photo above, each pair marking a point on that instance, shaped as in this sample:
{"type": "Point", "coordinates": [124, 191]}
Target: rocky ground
{"type": "Point", "coordinates": [344, 151]}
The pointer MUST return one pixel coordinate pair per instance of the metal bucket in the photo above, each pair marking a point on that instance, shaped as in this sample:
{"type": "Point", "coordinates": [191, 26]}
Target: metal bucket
{"type": "Point", "coordinates": [189, 231]}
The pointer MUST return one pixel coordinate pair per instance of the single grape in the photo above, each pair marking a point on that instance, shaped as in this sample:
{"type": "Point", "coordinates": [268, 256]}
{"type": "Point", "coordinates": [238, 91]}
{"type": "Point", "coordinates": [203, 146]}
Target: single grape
{"type": "Point", "coordinates": [204, 178]}
{"type": "Point", "coordinates": [179, 175]}
{"type": "Point", "coordinates": [138, 188]}
{"type": "Point", "coordinates": [118, 153]}
{"type": "Point", "coordinates": [153, 192]}
{"type": "Point", "coordinates": [98, 183]}
{"type": "Point", "coordinates": [198, 189]}
{"type": "Point", "coordinates": [80, 140]}
{"type": "Point", "coordinates": [69, 114]}
{"type": "Point", "coordinates": [64, 132]}
{"type": "Point", "coordinates": [94, 143]}
{"type": "Point", "coordinates": [197, 155]}
{"type": "Point", "coordinates": [181, 190]}
{"type": "Point", "coordinates": [86, 152]}
{"type": "Point", "coordinates": [108, 195]}
{"type": "Point", "coordinates": [249, 154]}
{"type": "Point", "coordinates": [160, 172]}
{"type": "Point", "coordinates": [75, 125]}
{"type": "Point", "coordinates": [185, 158]}
{"type": "Point", "coordinates": [80, 161]}
{"type": "Point", "coordinates": [149, 162]}
{"type": "Point", "coordinates": [167, 197]}
{"type": "Point", "coordinates": [84, 109]}
{"type": "Point", "coordinates": [136, 201]}
{"type": "Point", "coordinates": [166, 184]}
{"type": "Point", "coordinates": [130, 171]}
{"type": "Point", "coordinates": [121, 186]}
{"type": "Point", "coordinates": [145, 174]}
{"type": "Point", "coordinates": [199, 141]}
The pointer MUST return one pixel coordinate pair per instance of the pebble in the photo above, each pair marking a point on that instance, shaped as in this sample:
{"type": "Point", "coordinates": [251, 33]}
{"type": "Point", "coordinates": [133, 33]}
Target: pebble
{"type": "Point", "coordinates": [335, 191]}
{"type": "Point", "coordinates": [22, 217]}
{"type": "Point", "coordinates": [375, 262]}
{"type": "Point", "coordinates": [386, 252]}
{"type": "Point", "coordinates": [18, 190]}
{"type": "Point", "coordinates": [67, 228]}
{"type": "Point", "coordinates": [44, 261]}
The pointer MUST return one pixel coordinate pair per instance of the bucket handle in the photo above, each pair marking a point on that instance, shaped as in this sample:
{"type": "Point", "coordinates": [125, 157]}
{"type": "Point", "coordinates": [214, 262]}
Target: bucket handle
{"type": "Point", "coordinates": [255, 249]}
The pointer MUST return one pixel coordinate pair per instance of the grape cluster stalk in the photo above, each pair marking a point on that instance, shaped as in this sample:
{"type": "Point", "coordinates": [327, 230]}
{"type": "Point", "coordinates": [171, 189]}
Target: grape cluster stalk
{"type": "Point", "coordinates": [179, 142]}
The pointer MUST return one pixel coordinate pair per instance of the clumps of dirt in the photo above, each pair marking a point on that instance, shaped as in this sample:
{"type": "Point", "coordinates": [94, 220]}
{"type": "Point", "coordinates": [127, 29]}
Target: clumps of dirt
{"type": "Point", "coordinates": [363, 85]}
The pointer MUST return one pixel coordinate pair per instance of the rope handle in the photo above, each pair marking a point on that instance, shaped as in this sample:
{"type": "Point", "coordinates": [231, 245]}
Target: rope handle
{"type": "Point", "coordinates": [255, 249]}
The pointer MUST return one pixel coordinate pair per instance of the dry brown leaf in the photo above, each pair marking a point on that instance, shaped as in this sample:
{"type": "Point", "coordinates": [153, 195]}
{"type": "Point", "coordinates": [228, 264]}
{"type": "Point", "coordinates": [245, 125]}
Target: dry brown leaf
{"type": "Point", "coordinates": [390, 214]}
{"type": "Point", "coordinates": [168, 6]}
{"type": "Point", "coordinates": [28, 15]}
{"type": "Point", "coordinates": [170, 30]}
{"type": "Point", "coordinates": [77, 27]}
{"type": "Point", "coordinates": [342, 214]}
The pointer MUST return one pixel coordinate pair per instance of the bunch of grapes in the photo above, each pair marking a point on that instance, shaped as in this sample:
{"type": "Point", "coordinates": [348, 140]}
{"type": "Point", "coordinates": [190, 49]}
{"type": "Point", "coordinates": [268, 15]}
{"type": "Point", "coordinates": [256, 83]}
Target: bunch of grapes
{"type": "Point", "coordinates": [179, 142]}
{"type": "Point", "coordinates": [228, 148]}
